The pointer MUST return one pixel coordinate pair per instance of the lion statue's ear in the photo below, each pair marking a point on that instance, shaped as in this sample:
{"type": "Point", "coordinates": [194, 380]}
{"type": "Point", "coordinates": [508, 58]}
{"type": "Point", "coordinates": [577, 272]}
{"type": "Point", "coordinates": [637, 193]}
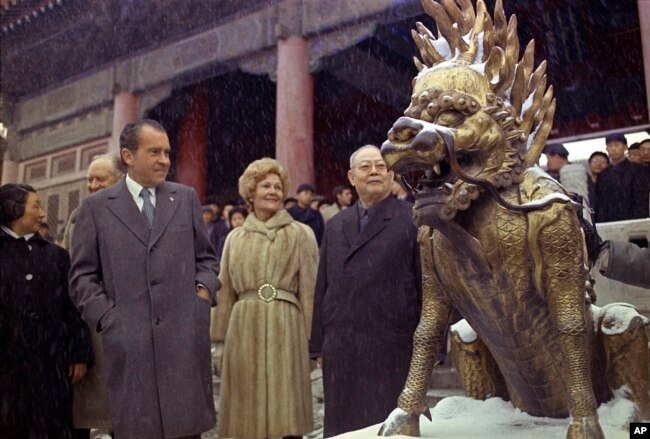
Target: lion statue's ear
{"type": "Point", "coordinates": [494, 65]}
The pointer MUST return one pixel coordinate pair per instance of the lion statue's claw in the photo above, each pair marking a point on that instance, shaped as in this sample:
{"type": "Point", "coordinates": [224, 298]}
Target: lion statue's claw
{"type": "Point", "coordinates": [401, 422]}
{"type": "Point", "coordinates": [586, 427]}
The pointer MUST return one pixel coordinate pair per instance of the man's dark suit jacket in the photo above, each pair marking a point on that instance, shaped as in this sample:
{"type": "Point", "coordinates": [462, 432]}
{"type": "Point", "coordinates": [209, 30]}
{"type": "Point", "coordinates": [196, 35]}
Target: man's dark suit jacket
{"type": "Point", "coordinates": [367, 306]}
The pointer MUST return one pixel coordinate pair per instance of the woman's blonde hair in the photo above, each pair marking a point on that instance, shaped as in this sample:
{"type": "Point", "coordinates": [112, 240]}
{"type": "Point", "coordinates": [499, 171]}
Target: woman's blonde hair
{"type": "Point", "coordinates": [256, 172]}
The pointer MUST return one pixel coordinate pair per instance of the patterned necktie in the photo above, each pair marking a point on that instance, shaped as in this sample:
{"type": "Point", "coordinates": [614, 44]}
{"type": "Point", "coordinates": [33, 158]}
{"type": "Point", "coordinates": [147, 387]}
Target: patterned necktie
{"type": "Point", "coordinates": [147, 207]}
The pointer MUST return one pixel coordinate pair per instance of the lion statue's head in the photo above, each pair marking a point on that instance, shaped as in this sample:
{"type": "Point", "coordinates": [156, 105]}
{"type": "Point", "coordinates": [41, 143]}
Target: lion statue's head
{"type": "Point", "coordinates": [479, 115]}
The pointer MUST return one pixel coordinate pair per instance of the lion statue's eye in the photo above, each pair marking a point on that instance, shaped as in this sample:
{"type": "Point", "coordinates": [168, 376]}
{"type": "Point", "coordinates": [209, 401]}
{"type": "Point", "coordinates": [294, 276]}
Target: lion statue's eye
{"type": "Point", "coordinates": [449, 118]}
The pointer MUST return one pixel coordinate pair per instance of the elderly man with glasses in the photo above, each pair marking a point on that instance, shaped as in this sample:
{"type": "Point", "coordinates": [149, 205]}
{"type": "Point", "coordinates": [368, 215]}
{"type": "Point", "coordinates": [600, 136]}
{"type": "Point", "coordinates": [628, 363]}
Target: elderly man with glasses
{"type": "Point", "coordinates": [368, 299]}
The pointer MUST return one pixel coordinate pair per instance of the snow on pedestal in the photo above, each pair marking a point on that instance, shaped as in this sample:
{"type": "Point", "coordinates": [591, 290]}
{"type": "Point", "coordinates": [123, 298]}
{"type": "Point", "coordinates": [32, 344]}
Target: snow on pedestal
{"type": "Point", "coordinates": [460, 417]}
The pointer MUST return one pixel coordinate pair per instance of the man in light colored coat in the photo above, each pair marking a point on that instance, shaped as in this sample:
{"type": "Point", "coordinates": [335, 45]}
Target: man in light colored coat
{"type": "Point", "coordinates": [144, 275]}
{"type": "Point", "coordinates": [89, 406]}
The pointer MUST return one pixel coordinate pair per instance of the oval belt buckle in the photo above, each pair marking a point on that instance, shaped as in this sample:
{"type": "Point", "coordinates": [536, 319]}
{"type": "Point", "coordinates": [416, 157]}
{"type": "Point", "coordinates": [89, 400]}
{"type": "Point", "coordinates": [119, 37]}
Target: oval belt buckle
{"type": "Point", "coordinates": [267, 299]}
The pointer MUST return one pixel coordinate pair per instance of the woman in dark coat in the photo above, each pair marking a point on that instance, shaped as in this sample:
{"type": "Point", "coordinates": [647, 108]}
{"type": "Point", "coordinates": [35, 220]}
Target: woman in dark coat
{"type": "Point", "coordinates": [44, 344]}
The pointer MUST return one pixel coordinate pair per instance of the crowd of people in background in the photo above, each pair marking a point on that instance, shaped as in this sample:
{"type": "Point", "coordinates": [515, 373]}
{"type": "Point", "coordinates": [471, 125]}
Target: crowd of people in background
{"type": "Point", "coordinates": [615, 184]}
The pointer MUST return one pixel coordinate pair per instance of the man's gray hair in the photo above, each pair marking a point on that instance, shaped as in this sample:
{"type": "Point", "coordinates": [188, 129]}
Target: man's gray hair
{"type": "Point", "coordinates": [116, 163]}
{"type": "Point", "coordinates": [354, 154]}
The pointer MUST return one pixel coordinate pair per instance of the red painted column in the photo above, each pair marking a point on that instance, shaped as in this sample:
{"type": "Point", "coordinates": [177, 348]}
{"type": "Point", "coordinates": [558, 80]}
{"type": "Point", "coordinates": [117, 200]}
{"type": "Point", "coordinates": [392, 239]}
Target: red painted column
{"type": "Point", "coordinates": [192, 156]}
{"type": "Point", "coordinates": [125, 111]}
{"type": "Point", "coordinates": [294, 133]}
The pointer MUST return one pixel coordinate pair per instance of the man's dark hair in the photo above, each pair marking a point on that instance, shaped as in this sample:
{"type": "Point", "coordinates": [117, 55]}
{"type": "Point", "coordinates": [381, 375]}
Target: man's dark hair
{"type": "Point", "coordinates": [290, 200]}
{"type": "Point", "coordinates": [338, 190]}
{"type": "Point", "coordinates": [13, 197]}
{"type": "Point", "coordinates": [130, 136]}
{"type": "Point", "coordinates": [600, 153]}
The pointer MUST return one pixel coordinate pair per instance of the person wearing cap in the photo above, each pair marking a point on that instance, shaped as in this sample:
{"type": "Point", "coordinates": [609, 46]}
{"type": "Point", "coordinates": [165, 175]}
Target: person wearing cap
{"type": "Point", "coordinates": [303, 212]}
{"type": "Point", "coordinates": [572, 176]}
{"type": "Point", "coordinates": [621, 188]}
{"type": "Point", "coordinates": [556, 157]}
{"type": "Point", "coordinates": [634, 153]}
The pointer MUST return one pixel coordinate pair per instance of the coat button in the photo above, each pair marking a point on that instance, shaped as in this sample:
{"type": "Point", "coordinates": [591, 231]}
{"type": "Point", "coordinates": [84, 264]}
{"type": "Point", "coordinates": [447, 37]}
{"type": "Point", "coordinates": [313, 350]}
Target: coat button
{"type": "Point", "coordinates": [154, 283]}
{"type": "Point", "coordinates": [33, 315]}
{"type": "Point", "coordinates": [157, 321]}
{"type": "Point", "coordinates": [29, 277]}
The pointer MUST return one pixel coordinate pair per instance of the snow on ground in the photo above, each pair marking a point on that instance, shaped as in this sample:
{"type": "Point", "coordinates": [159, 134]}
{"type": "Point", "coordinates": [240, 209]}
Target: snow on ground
{"type": "Point", "coordinates": [459, 417]}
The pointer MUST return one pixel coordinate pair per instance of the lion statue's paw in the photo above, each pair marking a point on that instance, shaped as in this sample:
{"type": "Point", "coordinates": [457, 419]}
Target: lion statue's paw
{"type": "Point", "coordinates": [401, 422]}
{"type": "Point", "coordinates": [586, 427]}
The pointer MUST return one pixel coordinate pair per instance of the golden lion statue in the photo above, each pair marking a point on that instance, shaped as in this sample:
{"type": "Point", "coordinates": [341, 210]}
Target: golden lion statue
{"type": "Point", "coordinates": [500, 240]}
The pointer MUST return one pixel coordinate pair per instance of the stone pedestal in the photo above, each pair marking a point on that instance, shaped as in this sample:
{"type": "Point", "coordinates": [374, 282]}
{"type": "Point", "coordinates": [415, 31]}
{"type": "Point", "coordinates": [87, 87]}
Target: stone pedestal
{"type": "Point", "coordinates": [294, 137]}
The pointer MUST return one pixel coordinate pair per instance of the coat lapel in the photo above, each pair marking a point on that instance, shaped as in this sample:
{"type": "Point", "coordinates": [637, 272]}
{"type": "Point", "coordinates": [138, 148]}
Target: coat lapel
{"type": "Point", "coordinates": [377, 223]}
{"type": "Point", "coordinates": [351, 224]}
{"type": "Point", "coordinates": [121, 204]}
{"type": "Point", "coordinates": [166, 205]}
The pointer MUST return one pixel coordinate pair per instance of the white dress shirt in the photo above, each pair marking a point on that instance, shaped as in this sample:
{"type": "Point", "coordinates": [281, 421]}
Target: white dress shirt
{"type": "Point", "coordinates": [135, 188]}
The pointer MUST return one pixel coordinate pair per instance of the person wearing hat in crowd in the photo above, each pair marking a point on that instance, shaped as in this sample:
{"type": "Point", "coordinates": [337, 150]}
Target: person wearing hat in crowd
{"type": "Point", "coordinates": [303, 212]}
{"type": "Point", "coordinates": [621, 188]}
{"type": "Point", "coordinates": [634, 153]}
{"type": "Point", "coordinates": [572, 176]}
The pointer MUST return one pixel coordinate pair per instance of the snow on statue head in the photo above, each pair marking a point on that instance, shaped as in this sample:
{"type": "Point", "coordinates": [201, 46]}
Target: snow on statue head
{"type": "Point", "coordinates": [475, 100]}
{"type": "Point", "coordinates": [500, 240]}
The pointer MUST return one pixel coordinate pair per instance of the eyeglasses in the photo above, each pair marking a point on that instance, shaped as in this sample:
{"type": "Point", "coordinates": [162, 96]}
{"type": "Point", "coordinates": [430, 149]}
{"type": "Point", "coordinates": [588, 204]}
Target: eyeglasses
{"type": "Point", "coordinates": [367, 165]}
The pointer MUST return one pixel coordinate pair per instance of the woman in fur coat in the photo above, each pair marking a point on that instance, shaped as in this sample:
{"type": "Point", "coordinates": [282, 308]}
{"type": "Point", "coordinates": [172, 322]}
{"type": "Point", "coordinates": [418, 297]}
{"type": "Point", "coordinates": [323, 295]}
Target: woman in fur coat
{"type": "Point", "coordinates": [263, 313]}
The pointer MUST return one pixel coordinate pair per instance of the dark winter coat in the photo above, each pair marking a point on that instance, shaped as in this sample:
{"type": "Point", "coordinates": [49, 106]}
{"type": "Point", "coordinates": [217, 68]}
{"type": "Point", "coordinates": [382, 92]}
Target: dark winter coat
{"type": "Point", "coordinates": [621, 193]}
{"type": "Point", "coordinates": [217, 231]}
{"type": "Point", "coordinates": [312, 218]}
{"type": "Point", "coordinates": [628, 263]}
{"type": "Point", "coordinates": [41, 334]}
{"type": "Point", "coordinates": [139, 285]}
{"type": "Point", "coordinates": [367, 306]}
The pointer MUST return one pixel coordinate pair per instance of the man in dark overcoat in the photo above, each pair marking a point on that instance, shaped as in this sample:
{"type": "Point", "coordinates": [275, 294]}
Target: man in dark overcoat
{"type": "Point", "coordinates": [144, 275]}
{"type": "Point", "coordinates": [368, 300]}
{"type": "Point", "coordinates": [621, 189]}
